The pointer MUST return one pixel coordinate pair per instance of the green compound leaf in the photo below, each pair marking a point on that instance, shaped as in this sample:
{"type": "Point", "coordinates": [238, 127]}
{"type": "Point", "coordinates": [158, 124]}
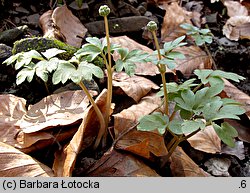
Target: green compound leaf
{"type": "Point", "coordinates": [210, 76]}
{"type": "Point", "coordinates": [95, 41]}
{"type": "Point", "coordinates": [173, 87]}
{"type": "Point", "coordinates": [187, 126]}
{"type": "Point", "coordinates": [227, 75]}
{"type": "Point", "coordinates": [90, 50]}
{"type": "Point", "coordinates": [175, 55]}
{"type": "Point", "coordinates": [85, 71]}
{"type": "Point", "coordinates": [200, 36]}
{"type": "Point", "coordinates": [25, 73]}
{"type": "Point", "coordinates": [63, 72]}
{"type": "Point", "coordinates": [12, 59]}
{"type": "Point", "coordinates": [128, 59]}
{"type": "Point", "coordinates": [152, 122]}
{"type": "Point", "coordinates": [186, 101]}
{"type": "Point", "coordinates": [169, 46]}
{"type": "Point", "coordinates": [50, 53]}
{"type": "Point", "coordinates": [226, 133]}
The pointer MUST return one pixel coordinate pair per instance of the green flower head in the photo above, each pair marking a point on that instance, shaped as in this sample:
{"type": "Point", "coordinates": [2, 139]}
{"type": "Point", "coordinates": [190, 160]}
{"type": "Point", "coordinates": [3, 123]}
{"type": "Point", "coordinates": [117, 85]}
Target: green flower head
{"type": "Point", "coordinates": [152, 26]}
{"type": "Point", "coordinates": [104, 10]}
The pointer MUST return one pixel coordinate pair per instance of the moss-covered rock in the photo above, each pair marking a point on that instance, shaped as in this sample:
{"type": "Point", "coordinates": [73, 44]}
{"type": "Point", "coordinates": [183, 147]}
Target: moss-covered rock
{"type": "Point", "coordinates": [42, 44]}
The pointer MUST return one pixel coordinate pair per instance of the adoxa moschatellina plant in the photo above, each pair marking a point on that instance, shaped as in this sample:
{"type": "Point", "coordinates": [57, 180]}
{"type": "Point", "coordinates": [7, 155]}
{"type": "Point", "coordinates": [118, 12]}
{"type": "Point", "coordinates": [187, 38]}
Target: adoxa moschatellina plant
{"type": "Point", "coordinates": [83, 65]}
{"type": "Point", "coordinates": [197, 103]}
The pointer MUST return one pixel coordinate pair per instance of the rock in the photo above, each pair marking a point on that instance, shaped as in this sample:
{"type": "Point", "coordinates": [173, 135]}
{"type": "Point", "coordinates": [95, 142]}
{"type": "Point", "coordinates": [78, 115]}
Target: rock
{"type": "Point", "coordinates": [142, 9]}
{"type": "Point", "coordinates": [148, 14]}
{"type": "Point", "coordinates": [17, 20]}
{"type": "Point", "coordinates": [212, 18]}
{"type": "Point", "coordinates": [42, 44]}
{"type": "Point", "coordinates": [22, 10]}
{"type": "Point", "coordinates": [33, 8]}
{"type": "Point", "coordinates": [119, 25]}
{"type": "Point", "coordinates": [74, 6]}
{"type": "Point", "coordinates": [125, 10]}
{"type": "Point", "coordinates": [34, 19]}
{"type": "Point", "coordinates": [5, 52]}
{"type": "Point", "coordinates": [11, 35]}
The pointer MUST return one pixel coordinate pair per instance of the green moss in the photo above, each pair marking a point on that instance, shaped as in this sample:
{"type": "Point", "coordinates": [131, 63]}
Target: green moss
{"type": "Point", "coordinates": [42, 44]}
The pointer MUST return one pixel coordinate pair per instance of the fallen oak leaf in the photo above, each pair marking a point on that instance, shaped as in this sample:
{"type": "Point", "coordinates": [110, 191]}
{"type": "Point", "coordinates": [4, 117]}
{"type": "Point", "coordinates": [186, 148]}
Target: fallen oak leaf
{"type": "Point", "coordinates": [49, 28]}
{"type": "Point", "coordinates": [237, 27]}
{"type": "Point", "coordinates": [235, 8]}
{"type": "Point", "coordinates": [113, 163]}
{"type": "Point", "coordinates": [145, 144]}
{"type": "Point", "coordinates": [195, 58]}
{"type": "Point", "coordinates": [70, 26]}
{"type": "Point", "coordinates": [135, 87]}
{"type": "Point", "coordinates": [14, 163]}
{"type": "Point", "coordinates": [206, 140]}
{"type": "Point", "coordinates": [233, 92]}
{"type": "Point", "coordinates": [30, 142]}
{"type": "Point", "coordinates": [129, 117]}
{"type": "Point", "coordinates": [175, 15]}
{"type": "Point", "coordinates": [237, 151]}
{"type": "Point", "coordinates": [55, 110]}
{"type": "Point", "coordinates": [84, 137]}
{"type": "Point", "coordinates": [183, 166]}
{"type": "Point", "coordinates": [12, 109]}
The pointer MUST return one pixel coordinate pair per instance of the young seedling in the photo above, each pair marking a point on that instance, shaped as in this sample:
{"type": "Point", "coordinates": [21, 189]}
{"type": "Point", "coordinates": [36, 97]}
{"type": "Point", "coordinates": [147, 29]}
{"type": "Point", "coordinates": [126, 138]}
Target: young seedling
{"type": "Point", "coordinates": [201, 38]}
{"type": "Point", "coordinates": [198, 105]}
{"type": "Point", "coordinates": [97, 50]}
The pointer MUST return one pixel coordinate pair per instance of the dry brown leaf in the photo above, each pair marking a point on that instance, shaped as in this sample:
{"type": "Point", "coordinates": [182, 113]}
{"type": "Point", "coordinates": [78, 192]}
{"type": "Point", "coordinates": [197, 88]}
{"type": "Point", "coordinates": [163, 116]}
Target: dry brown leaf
{"type": "Point", "coordinates": [49, 28]}
{"type": "Point", "coordinates": [63, 25]}
{"type": "Point", "coordinates": [114, 163]}
{"type": "Point", "coordinates": [135, 87]}
{"type": "Point", "coordinates": [237, 27]}
{"type": "Point", "coordinates": [206, 140]}
{"type": "Point", "coordinates": [183, 166]}
{"type": "Point", "coordinates": [12, 108]}
{"type": "Point", "coordinates": [83, 138]}
{"type": "Point", "coordinates": [145, 144]}
{"type": "Point", "coordinates": [237, 151]}
{"type": "Point", "coordinates": [235, 8]}
{"type": "Point", "coordinates": [243, 130]}
{"type": "Point", "coordinates": [195, 58]}
{"type": "Point", "coordinates": [55, 110]}
{"type": "Point", "coordinates": [141, 68]}
{"type": "Point", "coordinates": [175, 15]}
{"type": "Point", "coordinates": [233, 92]}
{"type": "Point", "coordinates": [14, 163]}
{"type": "Point", "coordinates": [30, 142]}
{"type": "Point", "coordinates": [69, 25]}
{"type": "Point", "coordinates": [129, 117]}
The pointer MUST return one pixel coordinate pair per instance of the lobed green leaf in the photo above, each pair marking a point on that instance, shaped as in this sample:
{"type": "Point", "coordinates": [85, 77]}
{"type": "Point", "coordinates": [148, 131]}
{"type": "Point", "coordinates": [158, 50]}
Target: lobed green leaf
{"type": "Point", "coordinates": [154, 121]}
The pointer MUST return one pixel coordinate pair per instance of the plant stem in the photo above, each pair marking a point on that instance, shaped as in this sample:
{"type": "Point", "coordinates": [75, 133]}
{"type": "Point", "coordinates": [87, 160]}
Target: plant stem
{"type": "Point", "coordinates": [197, 87]}
{"type": "Point", "coordinates": [162, 70]}
{"type": "Point", "coordinates": [109, 73]}
{"type": "Point", "coordinates": [211, 58]}
{"type": "Point", "coordinates": [98, 113]}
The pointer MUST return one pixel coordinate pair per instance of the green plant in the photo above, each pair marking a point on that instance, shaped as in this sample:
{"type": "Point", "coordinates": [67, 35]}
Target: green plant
{"type": "Point", "coordinates": [197, 101]}
{"type": "Point", "coordinates": [85, 64]}
{"type": "Point", "coordinates": [201, 38]}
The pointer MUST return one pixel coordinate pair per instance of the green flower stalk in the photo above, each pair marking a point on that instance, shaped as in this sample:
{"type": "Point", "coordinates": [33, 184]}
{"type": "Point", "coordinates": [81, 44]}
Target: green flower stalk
{"type": "Point", "coordinates": [104, 11]}
{"type": "Point", "coordinates": [152, 27]}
